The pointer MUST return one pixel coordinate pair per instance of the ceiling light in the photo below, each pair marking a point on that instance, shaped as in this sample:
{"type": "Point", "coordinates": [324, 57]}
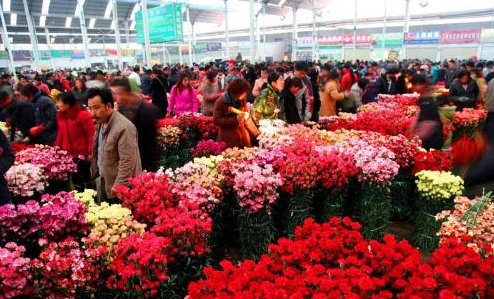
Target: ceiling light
{"type": "Point", "coordinates": [91, 23]}
{"type": "Point", "coordinates": [42, 21]}
{"type": "Point", "coordinates": [281, 3]}
{"type": "Point", "coordinates": [134, 11]}
{"type": "Point", "coordinates": [45, 7]}
{"type": "Point", "coordinates": [13, 19]}
{"type": "Point", "coordinates": [6, 5]}
{"type": "Point", "coordinates": [108, 9]}
{"type": "Point", "coordinates": [68, 22]}
{"type": "Point", "coordinates": [80, 4]}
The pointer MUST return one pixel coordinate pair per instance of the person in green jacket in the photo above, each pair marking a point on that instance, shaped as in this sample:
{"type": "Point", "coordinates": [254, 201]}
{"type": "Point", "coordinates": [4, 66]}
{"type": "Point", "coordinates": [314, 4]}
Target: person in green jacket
{"type": "Point", "coordinates": [269, 104]}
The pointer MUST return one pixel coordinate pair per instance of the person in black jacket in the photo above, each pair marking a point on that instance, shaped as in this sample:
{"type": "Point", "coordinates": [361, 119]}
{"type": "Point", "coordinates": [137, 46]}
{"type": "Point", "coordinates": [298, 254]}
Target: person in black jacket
{"type": "Point", "coordinates": [146, 82]}
{"type": "Point", "coordinates": [464, 91]}
{"type": "Point", "coordinates": [157, 91]}
{"type": "Point", "coordinates": [292, 86]}
{"type": "Point", "coordinates": [7, 158]}
{"type": "Point", "coordinates": [386, 84]}
{"type": "Point", "coordinates": [144, 117]}
{"type": "Point", "coordinates": [428, 125]}
{"type": "Point", "coordinates": [402, 83]}
{"type": "Point", "coordinates": [316, 104]}
{"type": "Point", "coordinates": [45, 115]}
{"type": "Point", "coordinates": [20, 115]}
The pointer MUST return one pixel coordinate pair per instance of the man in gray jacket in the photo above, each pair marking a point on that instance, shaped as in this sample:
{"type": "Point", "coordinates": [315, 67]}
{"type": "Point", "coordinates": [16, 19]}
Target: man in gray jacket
{"type": "Point", "coordinates": [116, 155]}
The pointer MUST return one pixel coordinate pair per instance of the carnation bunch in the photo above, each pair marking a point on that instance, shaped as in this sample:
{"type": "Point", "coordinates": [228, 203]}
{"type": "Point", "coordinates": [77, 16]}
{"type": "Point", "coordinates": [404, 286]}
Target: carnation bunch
{"type": "Point", "coordinates": [469, 118]}
{"type": "Point", "coordinates": [206, 148]}
{"type": "Point", "coordinates": [169, 137]}
{"type": "Point", "coordinates": [26, 179]}
{"type": "Point", "coordinates": [57, 164]}
{"type": "Point", "coordinates": [256, 187]}
{"type": "Point", "coordinates": [432, 160]}
{"type": "Point", "coordinates": [86, 197]}
{"type": "Point", "coordinates": [15, 272]}
{"type": "Point", "coordinates": [438, 185]}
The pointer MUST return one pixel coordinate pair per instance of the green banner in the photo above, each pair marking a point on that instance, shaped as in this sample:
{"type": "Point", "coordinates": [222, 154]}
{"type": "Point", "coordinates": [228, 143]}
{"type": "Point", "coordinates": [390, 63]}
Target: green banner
{"type": "Point", "coordinates": [165, 24]}
{"type": "Point", "coordinates": [4, 55]}
{"type": "Point", "coordinates": [61, 53]}
{"type": "Point", "coordinates": [391, 40]}
{"type": "Point", "coordinates": [202, 47]}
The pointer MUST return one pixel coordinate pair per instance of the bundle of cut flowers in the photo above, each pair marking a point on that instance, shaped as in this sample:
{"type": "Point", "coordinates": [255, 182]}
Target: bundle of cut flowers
{"type": "Point", "coordinates": [336, 168]}
{"type": "Point", "coordinates": [471, 221]}
{"type": "Point", "coordinates": [205, 148]}
{"type": "Point", "coordinates": [469, 118]}
{"type": "Point", "coordinates": [193, 123]}
{"type": "Point", "coordinates": [169, 137]}
{"type": "Point", "coordinates": [438, 185]}
{"type": "Point", "coordinates": [432, 160]}
{"type": "Point", "coordinates": [66, 270]}
{"type": "Point", "coordinates": [15, 272]}
{"type": "Point", "coordinates": [375, 164]}
{"type": "Point", "coordinates": [26, 179]}
{"type": "Point", "coordinates": [256, 186]}
{"type": "Point", "coordinates": [111, 223]}
{"type": "Point", "coordinates": [61, 216]}
{"type": "Point", "coordinates": [333, 260]}
{"type": "Point", "coordinates": [57, 164]}
{"type": "Point", "coordinates": [273, 134]}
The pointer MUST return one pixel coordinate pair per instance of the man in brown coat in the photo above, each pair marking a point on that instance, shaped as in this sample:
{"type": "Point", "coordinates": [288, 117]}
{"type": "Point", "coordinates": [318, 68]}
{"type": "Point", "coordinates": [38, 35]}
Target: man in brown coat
{"type": "Point", "coordinates": [115, 152]}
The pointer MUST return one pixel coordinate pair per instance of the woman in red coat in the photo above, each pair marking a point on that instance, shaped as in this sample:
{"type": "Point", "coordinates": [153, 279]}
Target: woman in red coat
{"type": "Point", "coordinates": [75, 135]}
{"type": "Point", "coordinates": [348, 78]}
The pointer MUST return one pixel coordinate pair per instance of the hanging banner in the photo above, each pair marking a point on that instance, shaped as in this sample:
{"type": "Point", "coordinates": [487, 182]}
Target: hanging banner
{"type": "Point", "coordinates": [330, 40]}
{"type": "Point", "coordinates": [77, 54]}
{"type": "Point", "coordinates": [421, 37]}
{"type": "Point", "coordinates": [44, 55]}
{"type": "Point", "coordinates": [111, 52]}
{"type": "Point", "coordinates": [200, 47]}
{"type": "Point", "coordinates": [21, 55]}
{"type": "Point", "coordinates": [304, 41]}
{"type": "Point", "coordinates": [470, 36]}
{"type": "Point", "coordinates": [4, 55]}
{"type": "Point", "coordinates": [391, 40]}
{"type": "Point", "coordinates": [487, 36]}
{"type": "Point", "coordinates": [214, 46]}
{"type": "Point", "coordinates": [362, 39]}
{"type": "Point", "coordinates": [61, 53]}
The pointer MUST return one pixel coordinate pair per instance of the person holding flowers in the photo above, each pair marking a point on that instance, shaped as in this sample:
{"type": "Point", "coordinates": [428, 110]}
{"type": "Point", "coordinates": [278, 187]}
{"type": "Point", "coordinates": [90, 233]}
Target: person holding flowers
{"type": "Point", "coordinates": [269, 104]}
{"type": "Point", "coordinates": [232, 126]}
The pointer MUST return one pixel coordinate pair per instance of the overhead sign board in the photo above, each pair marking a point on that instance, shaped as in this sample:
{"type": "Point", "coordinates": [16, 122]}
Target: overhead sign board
{"type": "Point", "coordinates": [165, 24]}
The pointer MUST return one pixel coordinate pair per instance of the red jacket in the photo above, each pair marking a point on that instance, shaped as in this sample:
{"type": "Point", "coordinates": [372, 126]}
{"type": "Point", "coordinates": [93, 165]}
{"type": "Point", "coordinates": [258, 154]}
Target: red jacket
{"type": "Point", "coordinates": [75, 131]}
{"type": "Point", "coordinates": [346, 80]}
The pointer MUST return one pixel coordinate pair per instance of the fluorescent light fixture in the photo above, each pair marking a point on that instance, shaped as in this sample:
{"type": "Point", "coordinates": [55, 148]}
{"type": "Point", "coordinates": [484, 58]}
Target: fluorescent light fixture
{"type": "Point", "coordinates": [68, 22]}
{"type": "Point", "coordinates": [13, 19]}
{"type": "Point", "coordinates": [42, 21]}
{"type": "Point", "coordinates": [45, 7]}
{"type": "Point", "coordinates": [281, 3]}
{"type": "Point", "coordinates": [108, 9]}
{"type": "Point", "coordinates": [6, 5]}
{"type": "Point", "coordinates": [133, 13]}
{"type": "Point", "coordinates": [132, 25]}
{"type": "Point", "coordinates": [80, 4]}
{"type": "Point", "coordinates": [92, 21]}
{"type": "Point", "coordinates": [52, 40]}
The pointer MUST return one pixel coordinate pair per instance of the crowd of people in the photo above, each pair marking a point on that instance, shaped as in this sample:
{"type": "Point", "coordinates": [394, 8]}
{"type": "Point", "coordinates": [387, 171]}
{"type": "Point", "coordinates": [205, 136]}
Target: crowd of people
{"type": "Point", "coordinates": [106, 121]}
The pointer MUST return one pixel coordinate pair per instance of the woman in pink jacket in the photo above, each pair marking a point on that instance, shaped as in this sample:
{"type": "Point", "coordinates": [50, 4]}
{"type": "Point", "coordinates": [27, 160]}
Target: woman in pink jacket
{"type": "Point", "coordinates": [183, 97]}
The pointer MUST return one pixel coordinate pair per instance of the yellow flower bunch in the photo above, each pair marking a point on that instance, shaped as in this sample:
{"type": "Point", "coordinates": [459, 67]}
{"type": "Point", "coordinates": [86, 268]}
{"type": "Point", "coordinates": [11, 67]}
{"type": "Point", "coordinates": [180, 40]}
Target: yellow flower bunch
{"type": "Point", "coordinates": [333, 137]}
{"type": "Point", "coordinates": [210, 161]}
{"type": "Point", "coordinates": [86, 197]}
{"type": "Point", "coordinates": [438, 185]}
{"type": "Point", "coordinates": [169, 137]}
{"type": "Point", "coordinates": [111, 223]}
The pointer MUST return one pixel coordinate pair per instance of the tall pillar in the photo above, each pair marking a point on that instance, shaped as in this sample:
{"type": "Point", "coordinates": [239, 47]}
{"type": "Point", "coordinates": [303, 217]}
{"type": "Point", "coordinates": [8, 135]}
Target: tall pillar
{"type": "Point", "coordinates": [82, 22]}
{"type": "Point", "coordinates": [315, 46]}
{"type": "Point", "coordinates": [227, 37]}
{"type": "Point", "coordinates": [354, 33]}
{"type": "Point", "coordinates": [6, 42]}
{"type": "Point", "coordinates": [187, 12]}
{"type": "Point", "coordinates": [251, 31]}
{"type": "Point", "coordinates": [406, 27]}
{"type": "Point", "coordinates": [294, 35]}
{"type": "Point", "coordinates": [147, 42]}
{"type": "Point", "coordinates": [127, 39]}
{"type": "Point", "coordinates": [48, 43]}
{"type": "Point", "coordinates": [32, 34]}
{"type": "Point", "coordinates": [117, 35]}
{"type": "Point", "coordinates": [194, 42]}
{"type": "Point", "coordinates": [264, 31]}
{"type": "Point", "coordinates": [383, 41]}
